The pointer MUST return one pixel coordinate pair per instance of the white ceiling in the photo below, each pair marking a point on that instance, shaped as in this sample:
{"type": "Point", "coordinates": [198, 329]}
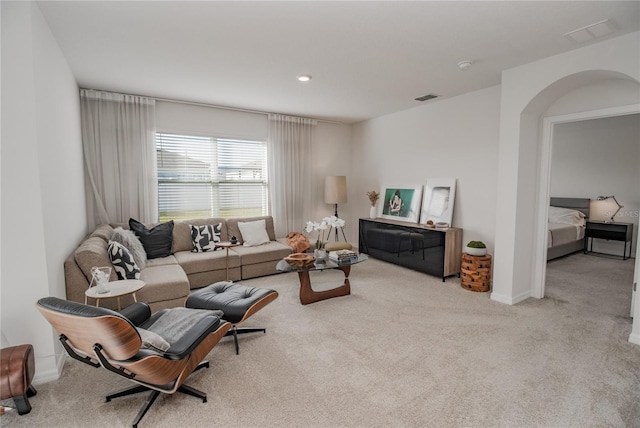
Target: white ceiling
{"type": "Point", "coordinates": [367, 59]}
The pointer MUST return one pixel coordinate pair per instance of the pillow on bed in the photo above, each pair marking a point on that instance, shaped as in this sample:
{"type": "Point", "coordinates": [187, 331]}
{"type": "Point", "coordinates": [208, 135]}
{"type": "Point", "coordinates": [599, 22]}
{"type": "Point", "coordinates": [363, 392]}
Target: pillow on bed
{"type": "Point", "coordinates": [566, 216]}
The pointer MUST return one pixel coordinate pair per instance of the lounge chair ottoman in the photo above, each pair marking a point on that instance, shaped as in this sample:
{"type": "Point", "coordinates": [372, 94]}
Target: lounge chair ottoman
{"type": "Point", "coordinates": [16, 375]}
{"type": "Point", "coordinates": [237, 302]}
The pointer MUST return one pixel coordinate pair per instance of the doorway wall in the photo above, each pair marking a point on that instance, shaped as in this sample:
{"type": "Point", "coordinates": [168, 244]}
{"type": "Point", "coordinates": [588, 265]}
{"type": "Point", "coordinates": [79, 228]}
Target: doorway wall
{"type": "Point", "coordinates": [527, 93]}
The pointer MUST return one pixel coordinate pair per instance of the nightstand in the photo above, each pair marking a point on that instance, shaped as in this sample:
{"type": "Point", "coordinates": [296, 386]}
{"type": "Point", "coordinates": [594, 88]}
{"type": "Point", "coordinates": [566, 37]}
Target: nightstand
{"type": "Point", "coordinates": [612, 231]}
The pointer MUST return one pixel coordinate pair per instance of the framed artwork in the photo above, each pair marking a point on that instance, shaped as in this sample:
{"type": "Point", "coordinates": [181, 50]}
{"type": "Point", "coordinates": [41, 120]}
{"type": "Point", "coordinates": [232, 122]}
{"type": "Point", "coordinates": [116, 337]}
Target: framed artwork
{"type": "Point", "coordinates": [438, 199]}
{"type": "Point", "coordinates": [400, 203]}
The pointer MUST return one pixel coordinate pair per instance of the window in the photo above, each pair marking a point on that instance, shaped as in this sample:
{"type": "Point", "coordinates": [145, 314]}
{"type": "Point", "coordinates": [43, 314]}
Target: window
{"type": "Point", "coordinates": [200, 177]}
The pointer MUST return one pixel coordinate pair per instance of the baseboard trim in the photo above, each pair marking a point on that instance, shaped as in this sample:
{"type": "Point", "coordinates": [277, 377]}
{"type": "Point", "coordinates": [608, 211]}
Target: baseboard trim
{"type": "Point", "coordinates": [508, 300]}
{"type": "Point", "coordinates": [501, 298]}
{"type": "Point", "coordinates": [41, 377]}
{"type": "Point", "coordinates": [634, 338]}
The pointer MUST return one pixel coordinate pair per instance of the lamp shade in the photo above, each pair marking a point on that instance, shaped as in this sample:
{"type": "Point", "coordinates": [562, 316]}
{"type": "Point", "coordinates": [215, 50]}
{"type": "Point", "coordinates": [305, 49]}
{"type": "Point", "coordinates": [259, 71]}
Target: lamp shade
{"type": "Point", "coordinates": [335, 189]}
{"type": "Point", "coordinates": [607, 208]}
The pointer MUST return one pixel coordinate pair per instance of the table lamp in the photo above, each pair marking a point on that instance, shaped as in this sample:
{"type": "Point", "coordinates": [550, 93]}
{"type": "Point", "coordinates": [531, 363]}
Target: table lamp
{"type": "Point", "coordinates": [604, 198]}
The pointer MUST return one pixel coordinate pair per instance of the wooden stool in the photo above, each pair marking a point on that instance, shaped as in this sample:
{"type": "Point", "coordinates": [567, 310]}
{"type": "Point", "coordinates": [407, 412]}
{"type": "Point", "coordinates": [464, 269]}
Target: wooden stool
{"type": "Point", "coordinates": [475, 272]}
{"type": "Point", "coordinates": [16, 374]}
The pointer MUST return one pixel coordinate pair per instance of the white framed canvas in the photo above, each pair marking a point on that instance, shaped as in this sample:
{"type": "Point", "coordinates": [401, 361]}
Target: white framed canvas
{"type": "Point", "coordinates": [400, 203]}
{"type": "Point", "coordinates": [438, 199]}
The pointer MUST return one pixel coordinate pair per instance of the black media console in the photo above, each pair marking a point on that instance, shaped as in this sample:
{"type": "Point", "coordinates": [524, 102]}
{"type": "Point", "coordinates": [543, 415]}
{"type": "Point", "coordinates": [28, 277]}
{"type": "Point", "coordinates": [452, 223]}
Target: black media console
{"type": "Point", "coordinates": [433, 251]}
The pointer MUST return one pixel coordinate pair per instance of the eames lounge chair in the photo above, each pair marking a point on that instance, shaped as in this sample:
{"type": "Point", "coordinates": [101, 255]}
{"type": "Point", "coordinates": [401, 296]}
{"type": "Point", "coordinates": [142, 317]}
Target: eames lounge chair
{"type": "Point", "coordinates": [158, 352]}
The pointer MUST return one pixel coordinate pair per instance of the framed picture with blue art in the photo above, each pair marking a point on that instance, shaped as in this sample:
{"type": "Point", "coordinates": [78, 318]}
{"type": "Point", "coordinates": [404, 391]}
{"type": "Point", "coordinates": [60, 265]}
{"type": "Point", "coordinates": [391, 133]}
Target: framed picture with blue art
{"type": "Point", "coordinates": [437, 203]}
{"type": "Point", "coordinates": [400, 203]}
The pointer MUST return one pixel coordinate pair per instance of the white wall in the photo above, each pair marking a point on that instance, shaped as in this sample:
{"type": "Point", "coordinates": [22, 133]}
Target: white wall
{"type": "Point", "coordinates": [448, 138]}
{"type": "Point", "coordinates": [43, 209]}
{"type": "Point", "coordinates": [600, 157]}
{"type": "Point", "coordinates": [330, 152]}
{"type": "Point", "coordinates": [527, 91]}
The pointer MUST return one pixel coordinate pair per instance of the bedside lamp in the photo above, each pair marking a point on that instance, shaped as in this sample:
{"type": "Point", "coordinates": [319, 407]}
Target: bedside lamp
{"type": "Point", "coordinates": [608, 211]}
{"type": "Point", "coordinates": [335, 192]}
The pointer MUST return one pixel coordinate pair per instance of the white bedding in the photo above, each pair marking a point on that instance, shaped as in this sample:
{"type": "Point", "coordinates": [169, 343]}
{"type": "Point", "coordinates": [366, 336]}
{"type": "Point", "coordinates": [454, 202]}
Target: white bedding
{"type": "Point", "coordinates": [562, 233]}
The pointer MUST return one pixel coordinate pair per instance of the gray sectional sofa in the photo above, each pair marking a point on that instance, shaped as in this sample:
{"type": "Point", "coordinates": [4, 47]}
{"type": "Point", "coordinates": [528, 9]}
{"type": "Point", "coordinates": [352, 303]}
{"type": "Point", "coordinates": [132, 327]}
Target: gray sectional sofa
{"type": "Point", "coordinates": [169, 280]}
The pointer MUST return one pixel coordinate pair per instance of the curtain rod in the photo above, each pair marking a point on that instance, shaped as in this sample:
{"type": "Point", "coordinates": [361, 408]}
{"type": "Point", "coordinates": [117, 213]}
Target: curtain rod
{"type": "Point", "coordinates": [198, 104]}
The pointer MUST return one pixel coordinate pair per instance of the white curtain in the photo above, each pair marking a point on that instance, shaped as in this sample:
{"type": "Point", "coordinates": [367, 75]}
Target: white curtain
{"type": "Point", "coordinates": [290, 171]}
{"type": "Point", "coordinates": [118, 139]}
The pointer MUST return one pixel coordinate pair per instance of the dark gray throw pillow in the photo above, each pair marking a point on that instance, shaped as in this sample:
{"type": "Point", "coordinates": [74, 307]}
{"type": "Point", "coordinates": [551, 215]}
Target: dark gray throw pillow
{"type": "Point", "coordinates": [156, 241]}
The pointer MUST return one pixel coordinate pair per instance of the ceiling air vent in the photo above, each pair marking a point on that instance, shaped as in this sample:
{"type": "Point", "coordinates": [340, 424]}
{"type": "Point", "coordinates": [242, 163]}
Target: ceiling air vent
{"type": "Point", "coordinates": [427, 97]}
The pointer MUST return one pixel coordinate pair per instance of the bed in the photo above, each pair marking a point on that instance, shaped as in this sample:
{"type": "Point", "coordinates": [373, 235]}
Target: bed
{"type": "Point", "coordinates": [567, 220]}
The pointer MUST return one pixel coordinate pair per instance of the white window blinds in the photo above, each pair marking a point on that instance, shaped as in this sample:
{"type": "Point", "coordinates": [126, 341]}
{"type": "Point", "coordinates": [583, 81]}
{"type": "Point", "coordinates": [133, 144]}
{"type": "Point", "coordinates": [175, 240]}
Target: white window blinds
{"type": "Point", "coordinates": [200, 177]}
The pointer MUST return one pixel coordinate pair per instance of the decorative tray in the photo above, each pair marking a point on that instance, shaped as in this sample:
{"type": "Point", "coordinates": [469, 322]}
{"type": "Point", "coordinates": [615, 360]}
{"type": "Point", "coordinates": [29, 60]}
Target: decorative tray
{"type": "Point", "coordinates": [300, 259]}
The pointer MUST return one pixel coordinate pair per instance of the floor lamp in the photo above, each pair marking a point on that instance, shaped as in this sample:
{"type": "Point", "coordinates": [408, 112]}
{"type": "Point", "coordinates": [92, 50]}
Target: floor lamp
{"type": "Point", "coordinates": [335, 192]}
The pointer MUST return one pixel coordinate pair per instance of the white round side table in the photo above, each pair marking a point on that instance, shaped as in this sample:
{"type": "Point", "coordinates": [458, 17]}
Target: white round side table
{"type": "Point", "coordinates": [117, 289]}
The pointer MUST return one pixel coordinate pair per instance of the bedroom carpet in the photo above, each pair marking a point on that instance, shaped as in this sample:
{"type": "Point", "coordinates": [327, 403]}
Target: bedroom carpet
{"type": "Point", "coordinates": [404, 350]}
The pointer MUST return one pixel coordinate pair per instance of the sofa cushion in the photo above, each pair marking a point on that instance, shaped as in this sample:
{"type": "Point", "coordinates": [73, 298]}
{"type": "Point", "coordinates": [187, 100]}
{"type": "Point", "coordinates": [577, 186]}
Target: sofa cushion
{"type": "Point", "coordinates": [131, 242]}
{"type": "Point", "coordinates": [273, 251]}
{"type": "Point", "coordinates": [165, 282]}
{"type": "Point", "coordinates": [204, 262]}
{"type": "Point", "coordinates": [234, 230]}
{"type": "Point", "coordinates": [182, 232]}
{"type": "Point", "coordinates": [93, 252]}
{"type": "Point", "coordinates": [253, 233]}
{"type": "Point", "coordinates": [122, 261]}
{"type": "Point", "coordinates": [204, 238]}
{"type": "Point", "coordinates": [157, 241]}
{"type": "Point", "coordinates": [162, 261]}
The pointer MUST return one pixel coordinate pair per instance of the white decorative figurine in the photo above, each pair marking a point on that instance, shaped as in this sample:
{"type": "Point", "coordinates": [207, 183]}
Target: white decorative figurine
{"type": "Point", "coordinates": [100, 279]}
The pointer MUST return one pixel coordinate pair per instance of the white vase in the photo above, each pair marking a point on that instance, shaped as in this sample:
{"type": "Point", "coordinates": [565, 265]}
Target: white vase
{"type": "Point", "coordinates": [373, 212]}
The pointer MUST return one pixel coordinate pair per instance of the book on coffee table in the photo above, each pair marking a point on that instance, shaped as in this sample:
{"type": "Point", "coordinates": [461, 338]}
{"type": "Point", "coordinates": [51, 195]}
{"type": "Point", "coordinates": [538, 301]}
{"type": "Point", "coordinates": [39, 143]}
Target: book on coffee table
{"type": "Point", "coordinates": [342, 256]}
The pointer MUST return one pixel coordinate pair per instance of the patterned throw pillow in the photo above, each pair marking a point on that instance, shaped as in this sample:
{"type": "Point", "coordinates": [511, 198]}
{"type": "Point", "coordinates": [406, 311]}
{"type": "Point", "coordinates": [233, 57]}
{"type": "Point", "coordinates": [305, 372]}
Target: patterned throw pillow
{"type": "Point", "coordinates": [132, 243]}
{"type": "Point", "coordinates": [122, 261]}
{"type": "Point", "coordinates": [204, 238]}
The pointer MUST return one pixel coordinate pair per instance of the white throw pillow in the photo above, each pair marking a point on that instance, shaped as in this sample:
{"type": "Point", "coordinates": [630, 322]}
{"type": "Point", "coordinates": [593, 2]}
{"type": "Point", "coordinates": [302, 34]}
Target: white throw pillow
{"type": "Point", "coordinates": [254, 233]}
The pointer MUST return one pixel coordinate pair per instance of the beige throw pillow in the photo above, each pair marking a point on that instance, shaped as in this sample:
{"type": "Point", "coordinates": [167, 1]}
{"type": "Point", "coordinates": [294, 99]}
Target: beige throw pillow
{"type": "Point", "coordinates": [254, 233]}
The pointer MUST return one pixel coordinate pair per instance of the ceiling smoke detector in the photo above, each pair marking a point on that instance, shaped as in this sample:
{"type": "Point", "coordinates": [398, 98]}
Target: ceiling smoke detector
{"type": "Point", "coordinates": [464, 65]}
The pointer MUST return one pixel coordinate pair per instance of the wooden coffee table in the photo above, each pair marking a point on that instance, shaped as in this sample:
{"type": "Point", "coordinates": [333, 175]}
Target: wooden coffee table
{"type": "Point", "coordinates": [308, 294]}
{"type": "Point", "coordinates": [117, 289]}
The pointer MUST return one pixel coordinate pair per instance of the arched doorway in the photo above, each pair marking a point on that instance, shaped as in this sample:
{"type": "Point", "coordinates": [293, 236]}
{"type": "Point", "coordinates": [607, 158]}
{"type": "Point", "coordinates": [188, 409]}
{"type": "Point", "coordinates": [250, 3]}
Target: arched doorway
{"type": "Point", "coordinates": [543, 141]}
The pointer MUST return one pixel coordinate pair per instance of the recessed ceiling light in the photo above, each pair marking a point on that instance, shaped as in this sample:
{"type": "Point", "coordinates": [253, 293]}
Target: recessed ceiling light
{"type": "Point", "coordinates": [303, 77]}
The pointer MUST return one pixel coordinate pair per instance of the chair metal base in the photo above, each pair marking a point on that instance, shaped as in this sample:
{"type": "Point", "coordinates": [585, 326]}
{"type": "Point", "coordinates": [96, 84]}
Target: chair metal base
{"type": "Point", "coordinates": [235, 331]}
{"type": "Point", "coordinates": [185, 389]}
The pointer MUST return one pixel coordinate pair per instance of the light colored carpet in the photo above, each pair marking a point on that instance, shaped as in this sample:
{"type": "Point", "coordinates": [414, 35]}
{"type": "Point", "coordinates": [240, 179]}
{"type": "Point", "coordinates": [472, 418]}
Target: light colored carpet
{"type": "Point", "coordinates": [404, 350]}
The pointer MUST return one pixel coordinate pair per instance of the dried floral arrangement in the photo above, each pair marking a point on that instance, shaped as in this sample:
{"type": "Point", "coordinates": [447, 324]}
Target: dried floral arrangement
{"type": "Point", "coordinates": [373, 197]}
